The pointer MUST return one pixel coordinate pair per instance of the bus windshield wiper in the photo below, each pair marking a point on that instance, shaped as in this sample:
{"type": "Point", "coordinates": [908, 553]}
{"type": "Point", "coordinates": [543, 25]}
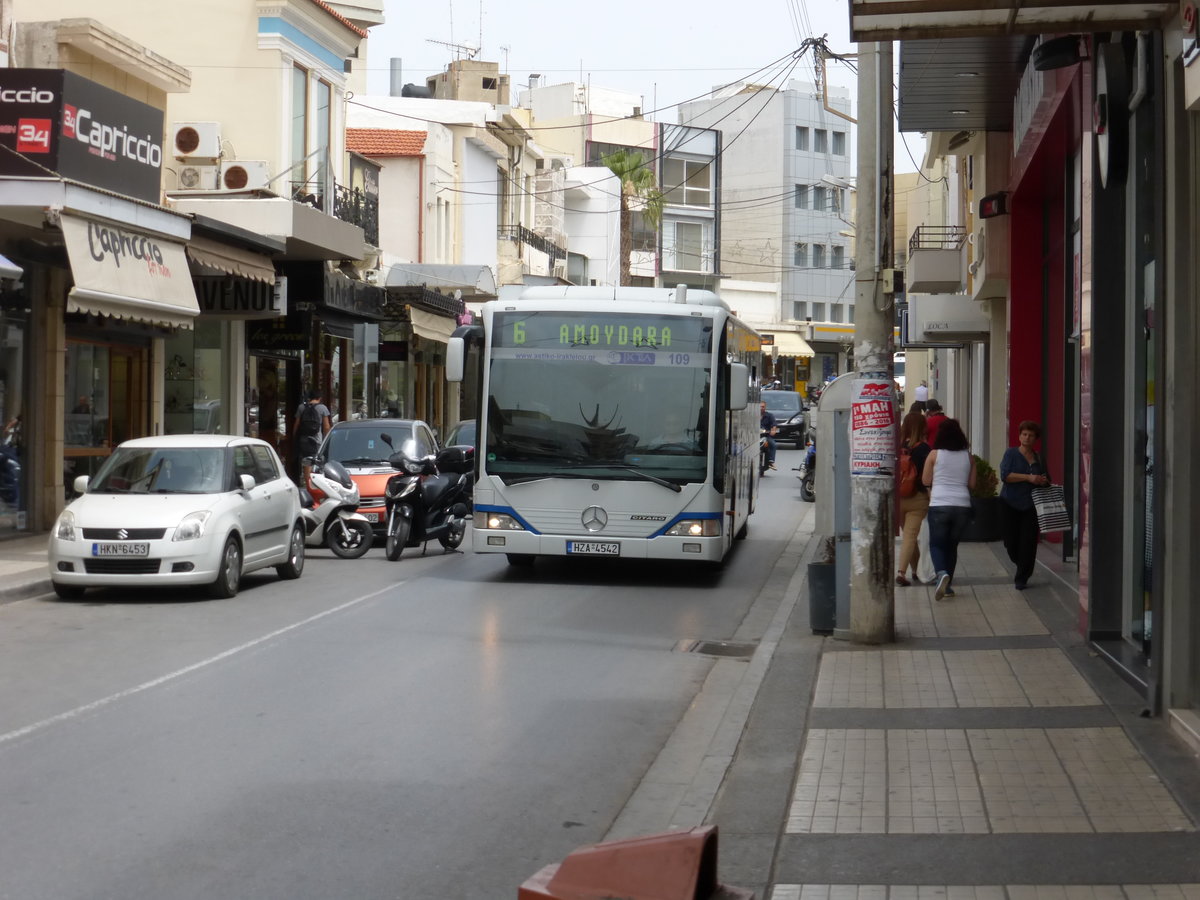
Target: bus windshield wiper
{"type": "Point", "coordinates": [636, 471]}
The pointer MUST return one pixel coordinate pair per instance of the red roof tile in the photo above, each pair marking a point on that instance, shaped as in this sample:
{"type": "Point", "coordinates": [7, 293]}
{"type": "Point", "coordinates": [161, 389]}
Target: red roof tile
{"type": "Point", "coordinates": [337, 15]}
{"type": "Point", "coordinates": [385, 142]}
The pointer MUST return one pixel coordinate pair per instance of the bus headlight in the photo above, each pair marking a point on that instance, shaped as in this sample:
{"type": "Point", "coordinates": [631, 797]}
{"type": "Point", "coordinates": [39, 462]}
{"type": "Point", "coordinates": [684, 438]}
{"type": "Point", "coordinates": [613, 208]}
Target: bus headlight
{"type": "Point", "coordinates": [502, 522]}
{"type": "Point", "coordinates": [695, 528]}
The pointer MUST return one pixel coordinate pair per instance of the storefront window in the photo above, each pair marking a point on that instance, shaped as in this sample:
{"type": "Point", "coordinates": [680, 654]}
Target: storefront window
{"type": "Point", "coordinates": [196, 380]}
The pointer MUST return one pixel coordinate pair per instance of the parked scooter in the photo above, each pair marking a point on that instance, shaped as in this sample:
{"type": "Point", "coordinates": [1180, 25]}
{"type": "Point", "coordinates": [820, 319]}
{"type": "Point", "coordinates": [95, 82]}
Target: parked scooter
{"type": "Point", "coordinates": [808, 470]}
{"type": "Point", "coordinates": [428, 498]}
{"type": "Point", "coordinates": [335, 522]}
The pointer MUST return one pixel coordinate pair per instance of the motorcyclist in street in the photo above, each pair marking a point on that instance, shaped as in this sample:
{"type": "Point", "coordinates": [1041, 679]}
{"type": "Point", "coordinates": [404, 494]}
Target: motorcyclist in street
{"type": "Point", "coordinates": [768, 426]}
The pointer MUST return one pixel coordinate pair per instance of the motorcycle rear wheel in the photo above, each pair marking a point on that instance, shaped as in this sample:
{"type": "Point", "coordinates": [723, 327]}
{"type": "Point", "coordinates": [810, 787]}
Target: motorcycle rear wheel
{"type": "Point", "coordinates": [397, 536]}
{"type": "Point", "coordinates": [808, 492]}
{"type": "Point", "coordinates": [454, 534]}
{"type": "Point", "coordinates": [349, 539]}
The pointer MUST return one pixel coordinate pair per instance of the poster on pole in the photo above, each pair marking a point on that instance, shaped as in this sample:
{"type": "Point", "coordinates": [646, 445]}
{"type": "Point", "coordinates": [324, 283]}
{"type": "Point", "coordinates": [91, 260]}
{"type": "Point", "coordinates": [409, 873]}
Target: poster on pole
{"type": "Point", "coordinates": [872, 426]}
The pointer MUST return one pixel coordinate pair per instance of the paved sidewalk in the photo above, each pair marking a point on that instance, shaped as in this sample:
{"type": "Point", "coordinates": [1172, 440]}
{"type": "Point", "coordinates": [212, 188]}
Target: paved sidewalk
{"type": "Point", "coordinates": [23, 567]}
{"type": "Point", "coordinates": [987, 754]}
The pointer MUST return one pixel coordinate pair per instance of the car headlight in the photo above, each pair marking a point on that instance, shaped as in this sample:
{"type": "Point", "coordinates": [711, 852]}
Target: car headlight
{"type": "Point", "coordinates": [502, 522]}
{"type": "Point", "coordinates": [64, 528]}
{"type": "Point", "coordinates": [796, 419]}
{"type": "Point", "coordinates": [192, 526]}
{"type": "Point", "coordinates": [695, 528]}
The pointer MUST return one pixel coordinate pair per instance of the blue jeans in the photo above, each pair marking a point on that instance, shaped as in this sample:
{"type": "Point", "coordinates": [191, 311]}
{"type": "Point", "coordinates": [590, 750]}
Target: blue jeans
{"type": "Point", "coordinates": [946, 527]}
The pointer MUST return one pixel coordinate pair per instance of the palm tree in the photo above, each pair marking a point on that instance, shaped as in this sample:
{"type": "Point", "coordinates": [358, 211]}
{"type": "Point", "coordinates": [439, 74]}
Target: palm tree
{"type": "Point", "coordinates": [638, 189]}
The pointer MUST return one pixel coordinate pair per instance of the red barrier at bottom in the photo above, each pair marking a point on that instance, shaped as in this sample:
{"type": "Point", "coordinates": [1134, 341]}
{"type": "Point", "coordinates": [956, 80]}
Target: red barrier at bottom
{"type": "Point", "coordinates": [676, 865]}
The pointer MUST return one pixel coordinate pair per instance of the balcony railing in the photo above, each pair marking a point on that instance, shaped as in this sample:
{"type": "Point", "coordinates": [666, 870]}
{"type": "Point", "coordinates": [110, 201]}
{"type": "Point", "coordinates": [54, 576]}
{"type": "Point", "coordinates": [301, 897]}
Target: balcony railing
{"type": "Point", "coordinates": [937, 237]}
{"type": "Point", "coordinates": [351, 206]}
{"type": "Point", "coordinates": [532, 239]}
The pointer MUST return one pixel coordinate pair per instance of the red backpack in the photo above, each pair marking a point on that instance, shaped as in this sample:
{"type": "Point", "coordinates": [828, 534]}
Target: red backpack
{"type": "Point", "coordinates": [906, 486]}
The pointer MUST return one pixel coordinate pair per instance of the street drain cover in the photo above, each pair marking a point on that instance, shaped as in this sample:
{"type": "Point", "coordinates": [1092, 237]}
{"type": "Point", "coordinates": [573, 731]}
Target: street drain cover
{"type": "Point", "coordinates": [732, 649]}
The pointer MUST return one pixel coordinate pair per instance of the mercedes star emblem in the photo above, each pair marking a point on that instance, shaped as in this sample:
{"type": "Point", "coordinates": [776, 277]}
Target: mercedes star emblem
{"type": "Point", "coordinates": [594, 518]}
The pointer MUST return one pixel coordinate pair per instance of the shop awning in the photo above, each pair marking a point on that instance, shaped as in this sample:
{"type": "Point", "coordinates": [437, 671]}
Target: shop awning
{"type": "Point", "coordinates": [431, 327]}
{"type": "Point", "coordinates": [128, 274]}
{"type": "Point", "coordinates": [791, 344]}
{"type": "Point", "coordinates": [231, 260]}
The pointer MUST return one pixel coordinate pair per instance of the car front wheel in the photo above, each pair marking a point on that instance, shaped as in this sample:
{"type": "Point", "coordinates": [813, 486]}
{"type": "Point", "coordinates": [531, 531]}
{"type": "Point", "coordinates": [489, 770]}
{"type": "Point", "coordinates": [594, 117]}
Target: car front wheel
{"type": "Point", "coordinates": [295, 561]}
{"type": "Point", "coordinates": [229, 572]}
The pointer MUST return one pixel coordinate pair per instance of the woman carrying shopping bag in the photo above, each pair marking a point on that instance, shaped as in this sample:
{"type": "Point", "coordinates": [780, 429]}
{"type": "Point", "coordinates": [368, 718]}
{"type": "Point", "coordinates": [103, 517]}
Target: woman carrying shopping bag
{"type": "Point", "coordinates": [1021, 470]}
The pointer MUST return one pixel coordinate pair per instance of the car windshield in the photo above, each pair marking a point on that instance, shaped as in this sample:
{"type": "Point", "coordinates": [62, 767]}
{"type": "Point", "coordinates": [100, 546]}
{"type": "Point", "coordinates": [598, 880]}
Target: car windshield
{"type": "Point", "coordinates": [463, 433]}
{"type": "Point", "coordinates": [599, 395]}
{"type": "Point", "coordinates": [785, 403]}
{"type": "Point", "coordinates": [162, 470]}
{"type": "Point", "coordinates": [363, 446]}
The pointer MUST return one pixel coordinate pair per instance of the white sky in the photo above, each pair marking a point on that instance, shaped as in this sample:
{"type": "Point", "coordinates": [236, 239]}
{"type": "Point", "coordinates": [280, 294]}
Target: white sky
{"type": "Point", "coordinates": [667, 52]}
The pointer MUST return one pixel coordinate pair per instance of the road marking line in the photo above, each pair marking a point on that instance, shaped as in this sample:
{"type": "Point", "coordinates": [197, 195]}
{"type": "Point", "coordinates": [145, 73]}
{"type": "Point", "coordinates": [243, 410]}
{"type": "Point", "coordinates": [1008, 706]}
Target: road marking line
{"type": "Point", "coordinates": [186, 670]}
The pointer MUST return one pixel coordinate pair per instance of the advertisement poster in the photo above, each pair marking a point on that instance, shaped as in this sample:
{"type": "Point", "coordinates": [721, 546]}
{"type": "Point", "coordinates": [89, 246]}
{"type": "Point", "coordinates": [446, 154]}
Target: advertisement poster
{"type": "Point", "coordinates": [872, 427]}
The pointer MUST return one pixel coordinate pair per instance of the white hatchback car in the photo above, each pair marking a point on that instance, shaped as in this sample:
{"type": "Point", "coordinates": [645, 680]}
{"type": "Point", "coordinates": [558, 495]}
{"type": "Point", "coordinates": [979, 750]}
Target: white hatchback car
{"type": "Point", "coordinates": [179, 509]}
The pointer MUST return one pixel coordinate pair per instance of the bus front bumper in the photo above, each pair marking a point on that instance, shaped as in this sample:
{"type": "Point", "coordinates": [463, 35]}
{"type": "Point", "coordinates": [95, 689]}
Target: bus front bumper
{"type": "Point", "coordinates": [590, 545]}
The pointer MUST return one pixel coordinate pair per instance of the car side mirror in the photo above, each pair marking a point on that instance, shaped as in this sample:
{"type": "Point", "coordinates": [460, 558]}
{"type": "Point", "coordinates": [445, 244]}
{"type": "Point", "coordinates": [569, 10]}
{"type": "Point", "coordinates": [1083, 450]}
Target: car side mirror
{"type": "Point", "coordinates": [247, 482]}
{"type": "Point", "coordinates": [81, 483]}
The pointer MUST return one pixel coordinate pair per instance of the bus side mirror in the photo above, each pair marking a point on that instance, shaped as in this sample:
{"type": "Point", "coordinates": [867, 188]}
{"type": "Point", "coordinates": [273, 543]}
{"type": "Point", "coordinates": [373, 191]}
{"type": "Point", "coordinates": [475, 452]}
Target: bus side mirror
{"type": "Point", "coordinates": [456, 354]}
{"type": "Point", "coordinates": [739, 386]}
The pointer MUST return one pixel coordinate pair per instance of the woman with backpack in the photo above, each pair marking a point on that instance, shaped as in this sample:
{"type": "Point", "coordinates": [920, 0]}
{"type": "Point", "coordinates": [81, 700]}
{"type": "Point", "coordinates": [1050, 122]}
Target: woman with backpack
{"type": "Point", "coordinates": [912, 494]}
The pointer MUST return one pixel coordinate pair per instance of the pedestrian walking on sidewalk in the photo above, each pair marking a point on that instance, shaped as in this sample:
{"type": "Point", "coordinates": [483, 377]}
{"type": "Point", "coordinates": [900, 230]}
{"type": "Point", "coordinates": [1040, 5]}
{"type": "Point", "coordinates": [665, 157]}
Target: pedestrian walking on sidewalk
{"type": "Point", "coordinates": [949, 475]}
{"type": "Point", "coordinates": [934, 417]}
{"type": "Point", "coordinates": [913, 507]}
{"type": "Point", "coordinates": [1021, 470]}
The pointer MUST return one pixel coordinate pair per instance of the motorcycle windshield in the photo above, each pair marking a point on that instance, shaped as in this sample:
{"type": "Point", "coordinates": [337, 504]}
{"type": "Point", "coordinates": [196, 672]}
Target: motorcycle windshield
{"type": "Point", "coordinates": [599, 395]}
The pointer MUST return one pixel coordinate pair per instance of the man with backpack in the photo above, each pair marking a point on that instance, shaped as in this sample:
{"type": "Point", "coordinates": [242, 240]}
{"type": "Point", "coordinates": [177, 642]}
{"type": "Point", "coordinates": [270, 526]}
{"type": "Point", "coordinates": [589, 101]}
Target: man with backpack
{"type": "Point", "coordinates": [311, 424]}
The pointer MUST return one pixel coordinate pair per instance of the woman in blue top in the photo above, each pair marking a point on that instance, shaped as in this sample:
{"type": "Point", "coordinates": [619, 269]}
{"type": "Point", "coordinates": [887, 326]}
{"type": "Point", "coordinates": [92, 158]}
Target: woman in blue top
{"type": "Point", "coordinates": [1021, 470]}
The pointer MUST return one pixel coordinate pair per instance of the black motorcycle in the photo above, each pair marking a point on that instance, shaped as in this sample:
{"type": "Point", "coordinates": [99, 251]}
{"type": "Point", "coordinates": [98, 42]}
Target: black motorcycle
{"type": "Point", "coordinates": [428, 498]}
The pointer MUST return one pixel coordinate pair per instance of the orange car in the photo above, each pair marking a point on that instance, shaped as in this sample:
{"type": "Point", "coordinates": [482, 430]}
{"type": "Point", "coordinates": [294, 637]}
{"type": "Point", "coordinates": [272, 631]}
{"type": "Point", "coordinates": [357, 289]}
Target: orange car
{"type": "Point", "coordinates": [357, 445]}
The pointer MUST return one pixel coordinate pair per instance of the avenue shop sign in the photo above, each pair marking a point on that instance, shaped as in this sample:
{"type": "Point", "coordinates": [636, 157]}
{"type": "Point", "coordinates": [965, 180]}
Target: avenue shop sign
{"type": "Point", "coordinates": [57, 122]}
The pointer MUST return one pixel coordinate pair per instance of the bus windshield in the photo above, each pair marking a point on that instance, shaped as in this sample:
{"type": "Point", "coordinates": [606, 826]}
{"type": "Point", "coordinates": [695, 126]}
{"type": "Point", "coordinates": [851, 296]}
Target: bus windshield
{"type": "Point", "coordinates": [599, 395]}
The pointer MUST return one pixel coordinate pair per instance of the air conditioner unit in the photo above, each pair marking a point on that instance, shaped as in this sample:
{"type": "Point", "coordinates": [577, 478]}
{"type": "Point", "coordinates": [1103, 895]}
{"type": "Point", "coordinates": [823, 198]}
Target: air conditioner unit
{"type": "Point", "coordinates": [244, 174]}
{"type": "Point", "coordinates": [560, 270]}
{"type": "Point", "coordinates": [370, 276]}
{"type": "Point", "coordinates": [197, 178]}
{"type": "Point", "coordinates": [196, 140]}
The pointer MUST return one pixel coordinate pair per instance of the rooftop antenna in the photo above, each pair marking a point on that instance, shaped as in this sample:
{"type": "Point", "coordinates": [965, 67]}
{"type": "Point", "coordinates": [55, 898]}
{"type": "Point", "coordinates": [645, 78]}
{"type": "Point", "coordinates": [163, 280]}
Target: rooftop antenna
{"type": "Point", "coordinates": [461, 51]}
{"type": "Point", "coordinates": [505, 49]}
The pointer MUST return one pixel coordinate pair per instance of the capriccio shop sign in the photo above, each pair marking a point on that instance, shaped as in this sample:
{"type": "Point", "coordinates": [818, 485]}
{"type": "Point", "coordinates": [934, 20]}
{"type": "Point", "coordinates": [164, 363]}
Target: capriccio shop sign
{"type": "Point", "coordinates": [57, 120]}
{"type": "Point", "coordinates": [108, 244]}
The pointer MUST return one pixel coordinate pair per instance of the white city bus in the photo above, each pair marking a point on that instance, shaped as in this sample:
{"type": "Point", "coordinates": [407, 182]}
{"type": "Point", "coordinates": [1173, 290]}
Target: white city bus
{"type": "Point", "coordinates": [613, 422]}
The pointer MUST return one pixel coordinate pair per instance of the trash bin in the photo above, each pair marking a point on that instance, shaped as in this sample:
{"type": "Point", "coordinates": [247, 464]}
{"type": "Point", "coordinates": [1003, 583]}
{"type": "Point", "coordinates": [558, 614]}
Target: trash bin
{"type": "Point", "coordinates": [822, 597]}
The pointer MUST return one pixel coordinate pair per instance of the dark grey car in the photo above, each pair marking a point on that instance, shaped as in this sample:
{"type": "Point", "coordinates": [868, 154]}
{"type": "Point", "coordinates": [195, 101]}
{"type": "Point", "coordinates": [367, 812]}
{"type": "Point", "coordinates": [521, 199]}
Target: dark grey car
{"type": "Point", "coordinates": [789, 411]}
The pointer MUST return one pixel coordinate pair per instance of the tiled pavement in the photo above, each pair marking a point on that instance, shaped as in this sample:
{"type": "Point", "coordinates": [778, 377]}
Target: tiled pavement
{"type": "Point", "coordinates": [973, 760]}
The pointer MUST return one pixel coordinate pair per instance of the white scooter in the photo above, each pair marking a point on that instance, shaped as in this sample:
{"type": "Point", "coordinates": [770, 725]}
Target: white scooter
{"type": "Point", "coordinates": [335, 522]}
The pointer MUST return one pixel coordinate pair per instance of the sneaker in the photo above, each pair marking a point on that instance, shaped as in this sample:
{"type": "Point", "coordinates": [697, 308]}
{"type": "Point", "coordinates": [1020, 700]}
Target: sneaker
{"type": "Point", "coordinates": [949, 592]}
{"type": "Point", "coordinates": [770, 465]}
{"type": "Point", "coordinates": [943, 585]}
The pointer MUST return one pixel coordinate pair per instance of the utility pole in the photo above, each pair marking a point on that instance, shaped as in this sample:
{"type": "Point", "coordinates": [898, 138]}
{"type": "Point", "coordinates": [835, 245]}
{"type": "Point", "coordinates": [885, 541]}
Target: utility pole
{"type": "Point", "coordinates": [873, 404]}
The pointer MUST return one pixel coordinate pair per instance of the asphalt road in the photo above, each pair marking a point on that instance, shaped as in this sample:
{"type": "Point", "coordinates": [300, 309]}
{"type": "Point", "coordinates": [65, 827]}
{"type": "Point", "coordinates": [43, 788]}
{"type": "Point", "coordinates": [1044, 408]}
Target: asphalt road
{"type": "Point", "coordinates": [442, 726]}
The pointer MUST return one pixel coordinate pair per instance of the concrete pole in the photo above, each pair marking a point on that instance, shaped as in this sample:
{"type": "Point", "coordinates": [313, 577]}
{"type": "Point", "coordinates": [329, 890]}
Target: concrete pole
{"type": "Point", "coordinates": [872, 516]}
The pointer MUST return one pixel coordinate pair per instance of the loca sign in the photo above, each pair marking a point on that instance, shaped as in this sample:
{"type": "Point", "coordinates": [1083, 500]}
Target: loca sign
{"type": "Point", "coordinates": [78, 129]}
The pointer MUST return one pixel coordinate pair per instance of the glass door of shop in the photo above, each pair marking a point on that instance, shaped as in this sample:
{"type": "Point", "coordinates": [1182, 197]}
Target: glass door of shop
{"type": "Point", "coordinates": [107, 403]}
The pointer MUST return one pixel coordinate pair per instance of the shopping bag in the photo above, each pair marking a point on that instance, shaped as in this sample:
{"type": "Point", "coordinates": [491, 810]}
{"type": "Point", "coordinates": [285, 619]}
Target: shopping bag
{"type": "Point", "coordinates": [1051, 505]}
